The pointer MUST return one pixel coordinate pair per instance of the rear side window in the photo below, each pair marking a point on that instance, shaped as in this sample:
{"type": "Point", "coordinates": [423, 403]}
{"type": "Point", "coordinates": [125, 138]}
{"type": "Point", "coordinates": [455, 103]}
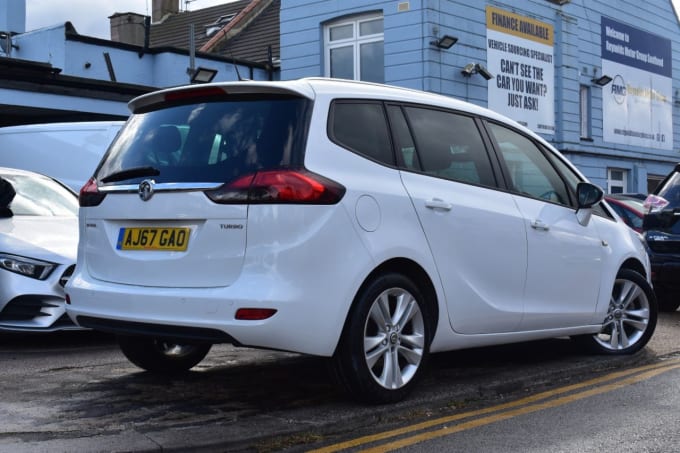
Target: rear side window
{"type": "Point", "coordinates": [361, 127]}
{"type": "Point", "coordinates": [450, 146]}
{"type": "Point", "coordinates": [215, 141]}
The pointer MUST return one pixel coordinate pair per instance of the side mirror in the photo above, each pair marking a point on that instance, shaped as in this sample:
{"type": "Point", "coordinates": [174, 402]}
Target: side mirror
{"type": "Point", "coordinates": [588, 195]}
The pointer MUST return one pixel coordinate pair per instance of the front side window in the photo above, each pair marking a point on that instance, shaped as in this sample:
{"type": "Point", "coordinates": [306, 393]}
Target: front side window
{"type": "Point", "coordinates": [531, 173]}
{"type": "Point", "coordinates": [215, 140]}
{"type": "Point", "coordinates": [449, 145]}
{"type": "Point", "coordinates": [354, 49]}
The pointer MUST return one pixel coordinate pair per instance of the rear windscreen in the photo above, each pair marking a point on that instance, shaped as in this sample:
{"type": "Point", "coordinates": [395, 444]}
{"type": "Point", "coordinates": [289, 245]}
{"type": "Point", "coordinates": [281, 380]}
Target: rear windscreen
{"type": "Point", "coordinates": [215, 141]}
{"type": "Point", "coordinates": [671, 191]}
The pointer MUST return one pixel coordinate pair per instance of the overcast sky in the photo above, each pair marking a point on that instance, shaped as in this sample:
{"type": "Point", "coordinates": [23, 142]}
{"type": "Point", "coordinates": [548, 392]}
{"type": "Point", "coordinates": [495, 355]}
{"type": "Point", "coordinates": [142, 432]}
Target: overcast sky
{"type": "Point", "coordinates": [91, 17]}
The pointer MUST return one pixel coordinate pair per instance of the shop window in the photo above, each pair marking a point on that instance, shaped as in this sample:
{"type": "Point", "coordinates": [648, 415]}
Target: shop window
{"type": "Point", "coordinates": [354, 49]}
{"type": "Point", "coordinates": [653, 181]}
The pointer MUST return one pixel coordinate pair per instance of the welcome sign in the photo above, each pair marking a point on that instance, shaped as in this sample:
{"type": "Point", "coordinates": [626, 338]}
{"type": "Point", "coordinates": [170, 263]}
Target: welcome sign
{"type": "Point", "coordinates": [520, 55]}
{"type": "Point", "coordinates": [637, 104]}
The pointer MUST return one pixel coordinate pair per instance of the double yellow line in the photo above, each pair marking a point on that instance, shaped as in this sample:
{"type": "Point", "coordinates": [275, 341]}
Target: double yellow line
{"type": "Point", "coordinates": [439, 427]}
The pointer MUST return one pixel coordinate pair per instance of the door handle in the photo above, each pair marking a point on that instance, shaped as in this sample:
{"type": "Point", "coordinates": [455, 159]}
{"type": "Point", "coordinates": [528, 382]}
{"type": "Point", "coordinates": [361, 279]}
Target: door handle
{"type": "Point", "coordinates": [539, 225]}
{"type": "Point", "coordinates": [437, 203]}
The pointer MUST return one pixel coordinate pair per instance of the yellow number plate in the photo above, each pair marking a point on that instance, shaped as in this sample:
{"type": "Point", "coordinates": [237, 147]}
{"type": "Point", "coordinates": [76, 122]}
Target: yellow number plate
{"type": "Point", "coordinates": [153, 238]}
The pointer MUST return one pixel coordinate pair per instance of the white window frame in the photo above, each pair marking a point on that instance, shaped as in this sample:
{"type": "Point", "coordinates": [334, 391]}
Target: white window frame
{"type": "Point", "coordinates": [622, 183]}
{"type": "Point", "coordinates": [355, 41]}
{"type": "Point", "coordinates": [584, 110]}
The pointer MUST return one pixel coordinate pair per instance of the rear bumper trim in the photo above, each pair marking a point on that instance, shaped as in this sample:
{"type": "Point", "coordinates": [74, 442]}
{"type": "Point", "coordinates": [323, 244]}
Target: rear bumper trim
{"type": "Point", "coordinates": [162, 331]}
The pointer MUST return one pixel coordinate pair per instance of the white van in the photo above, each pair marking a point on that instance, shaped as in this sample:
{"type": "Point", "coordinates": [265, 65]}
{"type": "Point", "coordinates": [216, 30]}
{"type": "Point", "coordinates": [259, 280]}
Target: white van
{"type": "Point", "coordinates": [68, 152]}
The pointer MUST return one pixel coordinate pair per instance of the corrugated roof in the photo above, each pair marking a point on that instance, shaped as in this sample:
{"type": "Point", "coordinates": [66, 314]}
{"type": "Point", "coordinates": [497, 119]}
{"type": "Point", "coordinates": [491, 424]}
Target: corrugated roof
{"type": "Point", "coordinates": [250, 44]}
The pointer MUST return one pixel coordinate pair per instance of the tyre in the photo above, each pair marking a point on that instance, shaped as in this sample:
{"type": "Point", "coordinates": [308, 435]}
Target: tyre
{"type": "Point", "coordinates": [630, 320]}
{"type": "Point", "coordinates": [160, 356]}
{"type": "Point", "coordinates": [669, 301]}
{"type": "Point", "coordinates": [385, 342]}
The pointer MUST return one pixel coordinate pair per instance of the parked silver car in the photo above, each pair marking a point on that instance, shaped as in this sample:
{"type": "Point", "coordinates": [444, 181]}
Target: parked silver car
{"type": "Point", "coordinates": [38, 243]}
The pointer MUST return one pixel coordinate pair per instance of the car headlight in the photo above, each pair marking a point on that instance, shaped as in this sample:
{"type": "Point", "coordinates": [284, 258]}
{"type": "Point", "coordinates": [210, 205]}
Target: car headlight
{"type": "Point", "coordinates": [26, 266]}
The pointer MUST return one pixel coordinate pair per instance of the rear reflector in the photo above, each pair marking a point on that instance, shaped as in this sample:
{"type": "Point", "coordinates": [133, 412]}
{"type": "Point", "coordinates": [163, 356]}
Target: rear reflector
{"type": "Point", "coordinates": [254, 314]}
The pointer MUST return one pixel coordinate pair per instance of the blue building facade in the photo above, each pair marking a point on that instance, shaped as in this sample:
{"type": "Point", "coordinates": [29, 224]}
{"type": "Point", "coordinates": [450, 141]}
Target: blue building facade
{"type": "Point", "coordinates": [598, 79]}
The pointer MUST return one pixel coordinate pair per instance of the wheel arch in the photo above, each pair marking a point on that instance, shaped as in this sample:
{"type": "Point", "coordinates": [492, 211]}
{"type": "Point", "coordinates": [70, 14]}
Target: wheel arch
{"type": "Point", "coordinates": [415, 272]}
{"type": "Point", "coordinates": [635, 265]}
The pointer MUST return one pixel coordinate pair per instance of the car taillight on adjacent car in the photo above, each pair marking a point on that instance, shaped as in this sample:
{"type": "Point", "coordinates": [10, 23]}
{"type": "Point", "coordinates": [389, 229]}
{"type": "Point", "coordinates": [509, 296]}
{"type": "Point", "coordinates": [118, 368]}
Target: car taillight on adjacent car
{"type": "Point", "coordinates": [655, 203]}
{"type": "Point", "coordinates": [281, 187]}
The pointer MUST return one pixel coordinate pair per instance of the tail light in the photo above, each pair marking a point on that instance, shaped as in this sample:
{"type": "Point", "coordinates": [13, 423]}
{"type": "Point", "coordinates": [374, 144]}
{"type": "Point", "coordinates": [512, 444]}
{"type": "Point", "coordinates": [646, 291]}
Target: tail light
{"type": "Point", "coordinates": [90, 194]}
{"type": "Point", "coordinates": [281, 187]}
{"type": "Point", "coordinates": [655, 203]}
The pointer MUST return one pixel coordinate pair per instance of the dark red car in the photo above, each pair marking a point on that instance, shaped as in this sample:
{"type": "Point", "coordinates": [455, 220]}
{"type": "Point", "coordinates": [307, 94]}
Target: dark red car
{"type": "Point", "coordinates": [629, 207]}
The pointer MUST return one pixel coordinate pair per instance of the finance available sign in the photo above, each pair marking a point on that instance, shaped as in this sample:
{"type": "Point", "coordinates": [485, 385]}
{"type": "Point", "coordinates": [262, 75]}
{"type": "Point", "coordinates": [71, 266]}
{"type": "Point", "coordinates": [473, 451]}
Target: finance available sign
{"type": "Point", "coordinates": [637, 104]}
{"type": "Point", "coordinates": [520, 56]}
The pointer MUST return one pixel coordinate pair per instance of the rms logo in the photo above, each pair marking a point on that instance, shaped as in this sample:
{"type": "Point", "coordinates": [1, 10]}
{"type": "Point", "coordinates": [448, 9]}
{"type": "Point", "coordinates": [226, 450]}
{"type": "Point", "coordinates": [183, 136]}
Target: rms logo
{"type": "Point", "coordinates": [619, 89]}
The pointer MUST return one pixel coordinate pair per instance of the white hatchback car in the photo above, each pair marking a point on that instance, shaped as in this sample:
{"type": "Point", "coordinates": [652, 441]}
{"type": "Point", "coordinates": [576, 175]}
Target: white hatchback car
{"type": "Point", "coordinates": [38, 244]}
{"type": "Point", "coordinates": [366, 223]}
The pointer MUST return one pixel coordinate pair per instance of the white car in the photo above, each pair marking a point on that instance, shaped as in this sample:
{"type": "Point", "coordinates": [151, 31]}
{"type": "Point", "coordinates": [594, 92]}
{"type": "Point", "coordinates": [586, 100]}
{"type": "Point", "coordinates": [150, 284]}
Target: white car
{"type": "Point", "coordinates": [38, 244]}
{"type": "Point", "coordinates": [369, 224]}
{"type": "Point", "coordinates": [67, 152]}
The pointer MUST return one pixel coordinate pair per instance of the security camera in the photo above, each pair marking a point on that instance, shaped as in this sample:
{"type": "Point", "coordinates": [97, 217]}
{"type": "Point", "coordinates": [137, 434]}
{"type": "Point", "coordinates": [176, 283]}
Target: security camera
{"type": "Point", "coordinates": [476, 68]}
{"type": "Point", "coordinates": [468, 70]}
{"type": "Point", "coordinates": [483, 71]}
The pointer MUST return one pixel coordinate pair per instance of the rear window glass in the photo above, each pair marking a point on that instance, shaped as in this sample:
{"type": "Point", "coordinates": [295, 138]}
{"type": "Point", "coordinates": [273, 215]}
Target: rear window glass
{"type": "Point", "coordinates": [671, 191]}
{"type": "Point", "coordinates": [211, 141]}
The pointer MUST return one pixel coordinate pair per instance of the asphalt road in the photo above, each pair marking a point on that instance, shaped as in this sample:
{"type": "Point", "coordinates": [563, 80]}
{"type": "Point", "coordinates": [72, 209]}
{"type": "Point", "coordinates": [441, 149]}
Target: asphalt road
{"type": "Point", "coordinates": [76, 392]}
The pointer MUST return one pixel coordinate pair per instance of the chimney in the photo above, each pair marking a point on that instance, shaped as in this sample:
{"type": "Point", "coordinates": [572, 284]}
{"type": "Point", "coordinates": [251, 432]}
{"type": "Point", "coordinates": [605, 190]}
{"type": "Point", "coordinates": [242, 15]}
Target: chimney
{"type": "Point", "coordinates": [161, 8]}
{"type": "Point", "coordinates": [13, 16]}
{"type": "Point", "coordinates": [127, 28]}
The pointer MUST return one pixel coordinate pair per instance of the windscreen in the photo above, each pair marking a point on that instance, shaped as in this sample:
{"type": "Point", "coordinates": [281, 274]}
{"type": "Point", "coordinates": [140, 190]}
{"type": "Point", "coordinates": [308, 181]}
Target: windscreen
{"type": "Point", "coordinates": [215, 141]}
{"type": "Point", "coordinates": [40, 196]}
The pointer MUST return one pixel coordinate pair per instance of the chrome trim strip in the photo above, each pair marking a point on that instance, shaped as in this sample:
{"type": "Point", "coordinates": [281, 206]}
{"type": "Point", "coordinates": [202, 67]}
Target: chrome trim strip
{"type": "Point", "coordinates": [162, 187]}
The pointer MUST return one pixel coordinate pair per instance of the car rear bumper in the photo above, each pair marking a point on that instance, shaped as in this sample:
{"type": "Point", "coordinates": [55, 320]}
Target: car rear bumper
{"type": "Point", "coordinates": [307, 322]}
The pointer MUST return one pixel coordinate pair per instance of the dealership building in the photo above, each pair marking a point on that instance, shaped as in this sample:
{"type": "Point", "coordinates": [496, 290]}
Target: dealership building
{"type": "Point", "coordinates": [597, 79]}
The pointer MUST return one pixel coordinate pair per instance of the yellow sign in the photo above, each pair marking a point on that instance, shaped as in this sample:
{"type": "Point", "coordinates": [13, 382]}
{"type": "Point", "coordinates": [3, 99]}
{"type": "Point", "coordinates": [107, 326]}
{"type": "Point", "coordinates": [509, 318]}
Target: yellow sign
{"type": "Point", "coordinates": [520, 26]}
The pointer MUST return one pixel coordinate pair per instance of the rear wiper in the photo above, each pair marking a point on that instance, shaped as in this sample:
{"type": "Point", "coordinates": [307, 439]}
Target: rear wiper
{"type": "Point", "coordinates": [129, 173]}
